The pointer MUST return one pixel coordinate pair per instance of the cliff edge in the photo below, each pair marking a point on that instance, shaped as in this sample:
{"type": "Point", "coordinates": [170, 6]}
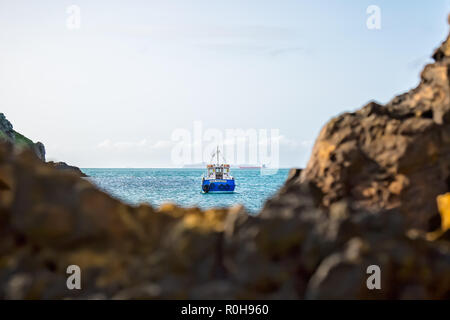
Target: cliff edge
{"type": "Point", "coordinates": [18, 140]}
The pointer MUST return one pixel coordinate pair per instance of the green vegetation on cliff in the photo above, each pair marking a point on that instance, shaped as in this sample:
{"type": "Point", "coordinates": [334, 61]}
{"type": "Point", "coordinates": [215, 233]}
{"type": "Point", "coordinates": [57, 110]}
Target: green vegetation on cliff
{"type": "Point", "coordinates": [22, 141]}
{"type": "Point", "coordinates": [3, 135]}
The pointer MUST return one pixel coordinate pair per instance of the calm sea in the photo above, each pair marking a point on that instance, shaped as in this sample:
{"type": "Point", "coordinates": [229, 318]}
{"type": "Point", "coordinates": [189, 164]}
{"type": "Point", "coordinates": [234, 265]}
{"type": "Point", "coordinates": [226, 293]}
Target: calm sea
{"type": "Point", "coordinates": [183, 186]}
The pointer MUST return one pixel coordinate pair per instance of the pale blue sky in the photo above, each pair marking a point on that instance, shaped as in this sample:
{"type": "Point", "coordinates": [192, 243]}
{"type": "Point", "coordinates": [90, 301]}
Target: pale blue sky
{"type": "Point", "coordinates": [111, 93]}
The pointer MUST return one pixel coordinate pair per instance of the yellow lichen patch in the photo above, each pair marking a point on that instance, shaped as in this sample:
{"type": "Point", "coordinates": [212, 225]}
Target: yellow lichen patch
{"type": "Point", "coordinates": [396, 187]}
{"type": "Point", "coordinates": [171, 209]}
{"type": "Point", "coordinates": [369, 192]}
{"type": "Point", "coordinates": [237, 209]}
{"type": "Point", "coordinates": [423, 94]}
{"type": "Point", "coordinates": [324, 149]}
{"type": "Point", "coordinates": [210, 220]}
{"type": "Point", "coordinates": [195, 218]}
{"type": "Point", "coordinates": [112, 267]}
{"type": "Point", "coordinates": [446, 46]}
{"type": "Point", "coordinates": [443, 202]}
{"type": "Point", "coordinates": [86, 258]}
{"type": "Point", "coordinates": [167, 207]}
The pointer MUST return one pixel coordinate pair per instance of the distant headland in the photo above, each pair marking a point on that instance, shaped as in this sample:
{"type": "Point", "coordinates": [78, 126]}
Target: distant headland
{"type": "Point", "coordinates": [21, 143]}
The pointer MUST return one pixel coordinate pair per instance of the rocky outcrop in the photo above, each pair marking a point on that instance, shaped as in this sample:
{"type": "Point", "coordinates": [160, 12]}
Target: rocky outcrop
{"type": "Point", "coordinates": [390, 157]}
{"type": "Point", "coordinates": [20, 142]}
{"type": "Point", "coordinates": [375, 183]}
{"type": "Point", "coordinates": [65, 167]}
{"type": "Point", "coordinates": [6, 128]}
{"type": "Point", "coordinates": [39, 150]}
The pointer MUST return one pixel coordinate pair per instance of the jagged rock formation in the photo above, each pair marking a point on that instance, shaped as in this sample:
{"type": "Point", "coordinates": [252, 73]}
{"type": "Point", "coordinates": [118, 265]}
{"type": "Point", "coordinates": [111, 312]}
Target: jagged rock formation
{"type": "Point", "coordinates": [393, 156]}
{"type": "Point", "coordinates": [21, 142]}
{"type": "Point", "coordinates": [7, 133]}
{"type": "Point", "coordinates": [374, 184]}
{"type": "Point", "coordinates": [65, 167]}
{"type": "Point", "coordinates": [6, 128]}
{"type": "Point", "coordinates": [39, 150]}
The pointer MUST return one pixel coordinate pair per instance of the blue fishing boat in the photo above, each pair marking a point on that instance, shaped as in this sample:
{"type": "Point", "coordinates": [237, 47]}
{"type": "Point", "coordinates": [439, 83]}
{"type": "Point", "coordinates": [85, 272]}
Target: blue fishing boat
{"type": "Point", "coordinates": [217, 178]}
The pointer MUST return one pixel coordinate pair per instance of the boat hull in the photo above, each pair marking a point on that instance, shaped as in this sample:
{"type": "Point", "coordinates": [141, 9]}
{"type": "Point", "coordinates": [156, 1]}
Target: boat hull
{"type": "Point", "coordinates": [218, 185]}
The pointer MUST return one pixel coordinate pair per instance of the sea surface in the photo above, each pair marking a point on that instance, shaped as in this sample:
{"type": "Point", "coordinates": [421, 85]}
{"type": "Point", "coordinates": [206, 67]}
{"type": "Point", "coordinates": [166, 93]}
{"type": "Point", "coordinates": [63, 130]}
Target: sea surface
{"type": "Point", "coordinates": [183, 187]}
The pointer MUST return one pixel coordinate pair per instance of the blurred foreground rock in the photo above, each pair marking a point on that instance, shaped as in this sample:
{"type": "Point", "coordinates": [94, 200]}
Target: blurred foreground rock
{"type": "Point", "coordinates": [377, 182]}
{"type": "Point", "coordinates": [294, 249]}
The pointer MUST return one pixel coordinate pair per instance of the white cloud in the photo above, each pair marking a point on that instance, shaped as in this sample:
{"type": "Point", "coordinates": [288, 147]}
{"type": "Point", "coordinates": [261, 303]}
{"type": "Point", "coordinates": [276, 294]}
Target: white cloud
{"type": "Point", "coordinates": [162, 144]}
{"type": "Point", "coordinates": [104, 144]}
{"type": "Point", "coordinates": [139, 144]}
{"type": "Point", "coordinates": [131, 144]}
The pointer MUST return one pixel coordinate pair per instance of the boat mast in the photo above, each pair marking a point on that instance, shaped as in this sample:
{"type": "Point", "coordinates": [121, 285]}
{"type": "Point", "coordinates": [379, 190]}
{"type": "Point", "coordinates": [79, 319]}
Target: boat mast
{"type": "Point", "coordinates": [217, 154]}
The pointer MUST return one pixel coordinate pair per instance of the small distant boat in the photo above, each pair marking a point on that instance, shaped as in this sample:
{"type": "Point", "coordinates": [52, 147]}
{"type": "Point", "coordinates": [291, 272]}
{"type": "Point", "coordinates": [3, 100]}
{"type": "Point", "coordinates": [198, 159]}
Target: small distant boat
{"type": "Point", "coordinates": [253, 167]}
{"type": "Point", "coordinates": [217, 178]}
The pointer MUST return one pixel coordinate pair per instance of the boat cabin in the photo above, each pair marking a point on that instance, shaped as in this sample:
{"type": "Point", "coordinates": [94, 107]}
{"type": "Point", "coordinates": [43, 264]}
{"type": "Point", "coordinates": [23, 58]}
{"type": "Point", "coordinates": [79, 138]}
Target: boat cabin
{"type": "Point", "coordinates": [221, 171]}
